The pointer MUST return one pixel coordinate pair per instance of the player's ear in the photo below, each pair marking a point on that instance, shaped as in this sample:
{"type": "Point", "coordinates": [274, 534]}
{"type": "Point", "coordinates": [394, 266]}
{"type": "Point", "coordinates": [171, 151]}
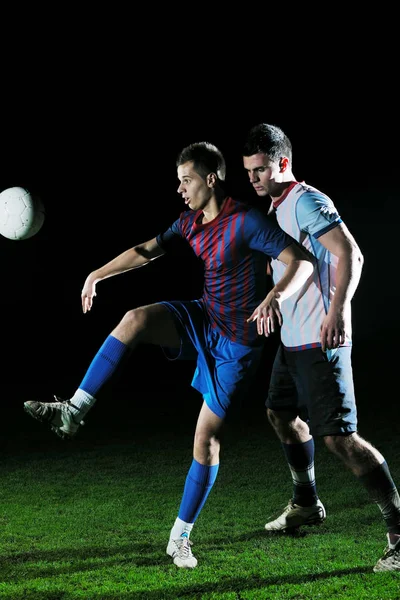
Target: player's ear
{"type": "Point", "coordinates": [211, 180]}
{"type": "Point", "coordinates": [283, 164]}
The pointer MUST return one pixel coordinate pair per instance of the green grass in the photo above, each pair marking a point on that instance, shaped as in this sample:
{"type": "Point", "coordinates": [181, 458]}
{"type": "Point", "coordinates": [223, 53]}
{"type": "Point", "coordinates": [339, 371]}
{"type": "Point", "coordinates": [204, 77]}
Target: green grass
{"type": "Point", "coordinates": [90, 519]}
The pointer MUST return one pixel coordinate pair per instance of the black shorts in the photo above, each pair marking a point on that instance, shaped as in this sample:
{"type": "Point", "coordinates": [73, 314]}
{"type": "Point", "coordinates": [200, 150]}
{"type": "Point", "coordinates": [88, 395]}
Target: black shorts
{"type": "Point", "coordinates": [318, 386]}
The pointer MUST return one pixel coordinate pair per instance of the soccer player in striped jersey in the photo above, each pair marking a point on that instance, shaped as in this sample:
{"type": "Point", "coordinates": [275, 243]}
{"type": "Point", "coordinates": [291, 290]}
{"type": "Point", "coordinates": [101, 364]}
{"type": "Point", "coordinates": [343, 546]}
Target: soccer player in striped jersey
{"type": "Point", "coordinates": [311, 390]}
{"type": "Point", "coordinates": [224, 330]}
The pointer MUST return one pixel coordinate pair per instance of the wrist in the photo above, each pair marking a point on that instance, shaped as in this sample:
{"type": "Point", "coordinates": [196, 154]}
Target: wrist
{"type": "Point", "coordinates": [276, 293]}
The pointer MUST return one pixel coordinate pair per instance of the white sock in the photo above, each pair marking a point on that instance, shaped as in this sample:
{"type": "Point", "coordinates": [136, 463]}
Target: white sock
{"type": "Point", "coordinates": [179, 528]}
{"type": "Point", "coordinates": [82, 403]}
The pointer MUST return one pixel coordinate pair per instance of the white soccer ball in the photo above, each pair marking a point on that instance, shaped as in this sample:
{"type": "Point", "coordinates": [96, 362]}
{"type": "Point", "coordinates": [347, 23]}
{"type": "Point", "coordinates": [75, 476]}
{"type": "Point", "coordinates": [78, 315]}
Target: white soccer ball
{"type": "Point", "coordinates": [21, 213]}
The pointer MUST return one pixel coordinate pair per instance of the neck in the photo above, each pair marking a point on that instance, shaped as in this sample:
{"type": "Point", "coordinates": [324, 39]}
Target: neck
{"type": "Point", "coordinates": [280, 189]}
{"type": "Point", "coordinates": [214, 206]}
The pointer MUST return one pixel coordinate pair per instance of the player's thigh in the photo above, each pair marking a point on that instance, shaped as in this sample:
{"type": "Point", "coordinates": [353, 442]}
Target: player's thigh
{"type": "Point", "coordinates": [282, 396]}
{"type": "Point", "coordinates": [157, 325]}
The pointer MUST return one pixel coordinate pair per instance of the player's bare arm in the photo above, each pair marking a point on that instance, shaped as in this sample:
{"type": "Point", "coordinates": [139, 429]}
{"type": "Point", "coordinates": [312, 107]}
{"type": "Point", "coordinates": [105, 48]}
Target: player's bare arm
{"type": "Point", "coordinates": [133, 258]}
{"type": "Point", "coordinates": [299, 267]}
{"type": "Point", "coordinates": [340, 242]}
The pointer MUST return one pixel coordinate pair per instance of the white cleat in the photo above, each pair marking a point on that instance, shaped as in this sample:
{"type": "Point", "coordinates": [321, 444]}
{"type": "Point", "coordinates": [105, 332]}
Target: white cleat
{"type": "Point", "coordinates": [390, 561]}
{"type": "Point", "coordinates": [58, 414]}
{"type": "Point", "coordinates": [181, 552]}
{"type": "Point", "coordinates": [295, 516]}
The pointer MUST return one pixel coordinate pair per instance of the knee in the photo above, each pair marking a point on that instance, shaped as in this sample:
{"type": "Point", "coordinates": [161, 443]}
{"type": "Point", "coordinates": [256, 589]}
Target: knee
{"type": "Point", "coordinates": [134, 321]}
{"type": "Point", "coordinates": [279, 419]}
{"type": "Point", "coordinates": [273, 418]}
{"type": "Point", "coordinates": [288, 426]}
{"type": "Point", "coordinates": [279, 423]}
{"type": "Point", "coordinates": [207, 447]}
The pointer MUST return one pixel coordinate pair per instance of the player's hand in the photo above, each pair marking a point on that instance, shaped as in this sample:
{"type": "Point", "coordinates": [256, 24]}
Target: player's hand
{"type": "Point", "coordinates": [333, 331]}
{"type": "Point", "coordinates": [268, 315]}
{"type": "Point", "coordinates": [88, 293]}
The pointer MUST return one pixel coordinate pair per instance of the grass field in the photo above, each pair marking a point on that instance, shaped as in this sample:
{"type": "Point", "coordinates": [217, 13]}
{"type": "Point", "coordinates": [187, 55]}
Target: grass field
{"type": "Point", "coordinates": [90, 519]}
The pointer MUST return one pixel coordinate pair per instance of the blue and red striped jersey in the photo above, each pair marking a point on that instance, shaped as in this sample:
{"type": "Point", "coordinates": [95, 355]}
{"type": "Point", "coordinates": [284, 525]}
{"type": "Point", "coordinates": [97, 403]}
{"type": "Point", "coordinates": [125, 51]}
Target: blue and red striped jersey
{"type": "Point", "coordinates": [234, 248]}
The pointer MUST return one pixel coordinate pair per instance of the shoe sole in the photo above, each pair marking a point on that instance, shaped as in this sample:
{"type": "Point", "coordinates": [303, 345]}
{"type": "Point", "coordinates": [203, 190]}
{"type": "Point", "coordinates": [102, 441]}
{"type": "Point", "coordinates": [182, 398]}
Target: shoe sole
{"type": "Point", "coordinates": [182, 566]}
{"type": "Point", "coordinates": [383, 569]}
{"type": "Point", "coordinates": [62, 434]}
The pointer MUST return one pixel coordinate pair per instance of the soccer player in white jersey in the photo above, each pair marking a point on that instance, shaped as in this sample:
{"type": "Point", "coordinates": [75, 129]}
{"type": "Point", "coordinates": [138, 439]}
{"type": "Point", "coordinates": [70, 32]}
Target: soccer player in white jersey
{"type": "Point", "coordinates": [311, 390]}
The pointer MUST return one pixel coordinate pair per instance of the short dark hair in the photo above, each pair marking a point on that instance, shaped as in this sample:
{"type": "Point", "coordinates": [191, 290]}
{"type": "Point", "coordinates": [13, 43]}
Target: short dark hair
{"type": "Point", "coordinates": [206, 159]}
{"type": "Point", "coordinates": [268, 139]}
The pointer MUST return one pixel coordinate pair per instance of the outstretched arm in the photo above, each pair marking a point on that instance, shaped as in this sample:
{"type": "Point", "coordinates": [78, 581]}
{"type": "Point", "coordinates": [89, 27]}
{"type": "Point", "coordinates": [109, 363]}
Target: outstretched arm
{"type": "Point", "coordinates": [340, 242]}
{"type": "Point", "coordinates": [299, 267]}
{"type": "Point", "coordinates": [133, 258]}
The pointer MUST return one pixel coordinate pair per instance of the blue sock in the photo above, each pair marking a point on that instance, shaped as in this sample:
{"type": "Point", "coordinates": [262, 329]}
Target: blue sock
{"type": "Point", "coordinates": [199, 482]}
{"type": "Point", "coordinates": [300, 458]}
{"type": "Point", "coordinates": [103, 365]}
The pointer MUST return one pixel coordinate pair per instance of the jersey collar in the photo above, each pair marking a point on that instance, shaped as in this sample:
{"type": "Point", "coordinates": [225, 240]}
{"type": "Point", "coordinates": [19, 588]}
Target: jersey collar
{"type": "Point", "coordinates": [284, 195]}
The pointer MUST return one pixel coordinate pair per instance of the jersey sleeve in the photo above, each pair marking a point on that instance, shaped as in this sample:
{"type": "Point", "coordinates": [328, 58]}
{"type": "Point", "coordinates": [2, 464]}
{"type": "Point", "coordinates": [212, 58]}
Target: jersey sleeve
{"type": "Point", "coordinates": [316, 214]}
{"type": "Point", "coordinates": [170, 239]}
{"type": "Point", "coordinates": [264, 234]}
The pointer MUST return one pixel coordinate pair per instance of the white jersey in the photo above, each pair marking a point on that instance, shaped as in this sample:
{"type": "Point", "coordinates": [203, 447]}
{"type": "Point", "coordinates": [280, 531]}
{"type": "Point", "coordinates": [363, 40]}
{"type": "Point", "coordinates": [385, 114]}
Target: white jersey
{"type": "Point", "coordinates": [305, 213]}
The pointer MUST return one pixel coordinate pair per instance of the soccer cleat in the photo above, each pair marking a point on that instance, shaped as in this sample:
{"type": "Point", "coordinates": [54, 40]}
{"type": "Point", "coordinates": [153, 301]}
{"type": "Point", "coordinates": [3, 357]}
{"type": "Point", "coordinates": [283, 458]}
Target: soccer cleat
{"type": "Point", "coordinates": [390, 561]}
{"type": "Point", "coordinates": [294, 516]}
{"type": "Point", "coordinates": [181, 552]}
{"type": "Point", "coordinates": [58, 414]}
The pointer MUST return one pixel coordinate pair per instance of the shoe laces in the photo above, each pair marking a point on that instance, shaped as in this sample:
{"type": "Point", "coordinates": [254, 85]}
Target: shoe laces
{"type": "Point", "coordinates": [67, 404]}
{"type": "Point", "coordinates": [57, 400]}
{"type": "Point", "coordinates": [289, 507]}
{"type": "Point", "coordinates": [184, 549]}
{"type": "Point", "coordinates": [61, 401]}
{"type": "Point", "coordinates": [391, 552]}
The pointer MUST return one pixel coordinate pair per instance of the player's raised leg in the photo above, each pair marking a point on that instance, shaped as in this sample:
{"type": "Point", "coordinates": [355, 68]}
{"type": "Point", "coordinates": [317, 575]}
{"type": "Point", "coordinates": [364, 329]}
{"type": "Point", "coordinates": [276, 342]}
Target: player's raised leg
{"type": "Point", "coordinates": [151, 324]}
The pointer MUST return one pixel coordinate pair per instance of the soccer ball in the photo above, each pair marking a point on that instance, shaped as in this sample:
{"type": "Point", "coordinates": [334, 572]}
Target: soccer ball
{"type": "Point", "coordinates": [21, 213]}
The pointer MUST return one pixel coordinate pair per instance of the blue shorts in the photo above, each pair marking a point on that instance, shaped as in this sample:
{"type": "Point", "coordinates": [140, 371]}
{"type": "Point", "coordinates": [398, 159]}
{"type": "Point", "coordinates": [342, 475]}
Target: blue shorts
{"type": "Point", "coordinates": [224, 369]}
{"type": "Point", "coordinates": [318, 386]}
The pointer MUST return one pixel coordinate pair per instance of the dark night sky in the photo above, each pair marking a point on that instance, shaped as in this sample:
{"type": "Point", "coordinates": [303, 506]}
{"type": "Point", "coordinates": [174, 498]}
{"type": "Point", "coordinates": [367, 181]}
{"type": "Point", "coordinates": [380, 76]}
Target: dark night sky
{"type": "Point", "coordinates": [101, 155]}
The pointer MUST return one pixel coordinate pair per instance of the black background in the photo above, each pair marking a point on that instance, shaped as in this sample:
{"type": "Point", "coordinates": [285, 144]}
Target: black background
{"type": "Point", "coordinates": [96, 136]}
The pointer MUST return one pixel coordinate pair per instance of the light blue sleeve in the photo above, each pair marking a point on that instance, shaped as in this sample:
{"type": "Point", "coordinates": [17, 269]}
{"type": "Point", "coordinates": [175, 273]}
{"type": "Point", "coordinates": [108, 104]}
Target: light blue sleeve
{"type": "Point", "coordinates": [316, 213]}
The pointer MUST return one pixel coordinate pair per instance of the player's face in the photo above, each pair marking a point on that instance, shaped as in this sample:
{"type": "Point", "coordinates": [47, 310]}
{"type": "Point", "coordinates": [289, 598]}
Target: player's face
{"type": "Point", "coordinates": [193, 188]}
{"type": "Point", "coordinates": [263, 173]}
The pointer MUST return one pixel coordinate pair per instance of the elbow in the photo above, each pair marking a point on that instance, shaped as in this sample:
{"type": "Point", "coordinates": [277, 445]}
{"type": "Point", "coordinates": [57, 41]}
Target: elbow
{"type": "Point", "coordinates": [309, 267]}
{"type": "Point", "coordinates": [358, 257]}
